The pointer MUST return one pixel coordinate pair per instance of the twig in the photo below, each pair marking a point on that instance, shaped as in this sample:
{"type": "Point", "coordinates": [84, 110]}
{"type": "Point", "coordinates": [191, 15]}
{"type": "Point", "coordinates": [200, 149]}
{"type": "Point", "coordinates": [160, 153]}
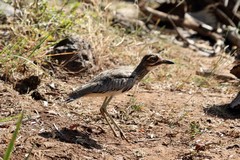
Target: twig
{"type": "Point", "coordinates": [24, 120]}
{"type": "Point", "coordinates": [56, 128]}
{"type": "Point", "coordinates": [146, 140]}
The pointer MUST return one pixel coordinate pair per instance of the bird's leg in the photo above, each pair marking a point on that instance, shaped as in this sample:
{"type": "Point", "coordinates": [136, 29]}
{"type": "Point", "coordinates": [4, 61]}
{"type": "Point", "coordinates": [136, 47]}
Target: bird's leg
{"type": "Point", "coordinates": [104, 113]}
{"type": "Point", "coordinates": [110, 117]}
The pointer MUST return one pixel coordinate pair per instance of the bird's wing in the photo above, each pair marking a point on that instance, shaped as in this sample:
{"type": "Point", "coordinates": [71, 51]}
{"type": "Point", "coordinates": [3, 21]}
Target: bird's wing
{"type": "Point", "coordinates": [119, 79]}
{"type": "Point", "coordinates": [121, 72]}
{"type": "Point", "coordinates": [109, 81]}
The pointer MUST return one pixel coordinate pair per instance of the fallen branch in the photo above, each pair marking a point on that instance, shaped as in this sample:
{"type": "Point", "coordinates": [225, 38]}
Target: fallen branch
{"type": "Point", "coordinates": [186, 22]}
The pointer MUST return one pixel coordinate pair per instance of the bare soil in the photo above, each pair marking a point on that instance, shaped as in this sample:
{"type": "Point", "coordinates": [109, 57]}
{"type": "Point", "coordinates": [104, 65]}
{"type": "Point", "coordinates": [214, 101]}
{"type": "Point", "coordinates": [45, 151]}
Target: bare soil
{"type": "Point", "coordinates": [172, 114]}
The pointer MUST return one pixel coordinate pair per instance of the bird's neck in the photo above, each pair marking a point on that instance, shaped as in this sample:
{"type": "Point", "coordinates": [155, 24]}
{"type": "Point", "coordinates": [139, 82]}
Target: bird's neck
{"type": "Point", "coordinates": [140, 72]}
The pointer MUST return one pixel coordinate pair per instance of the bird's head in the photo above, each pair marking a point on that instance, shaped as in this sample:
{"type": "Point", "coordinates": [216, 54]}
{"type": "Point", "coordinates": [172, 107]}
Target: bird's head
{"type": "Point", "coordinates": [150, 61]}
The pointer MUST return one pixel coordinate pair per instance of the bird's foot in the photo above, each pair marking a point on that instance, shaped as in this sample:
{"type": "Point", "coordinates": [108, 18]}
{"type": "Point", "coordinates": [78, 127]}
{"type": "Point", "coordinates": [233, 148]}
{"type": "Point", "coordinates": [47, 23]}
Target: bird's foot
{"type": "Point", "coordinates": [123, 136]}
{"type": "Point", "coordinates": [114, 133]}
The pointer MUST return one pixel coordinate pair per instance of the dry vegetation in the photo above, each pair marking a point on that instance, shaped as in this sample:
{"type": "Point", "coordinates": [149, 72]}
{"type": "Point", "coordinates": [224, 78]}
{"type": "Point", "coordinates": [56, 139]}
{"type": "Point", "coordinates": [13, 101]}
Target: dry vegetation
{"type": "Point", "coordinates": [174, 113]}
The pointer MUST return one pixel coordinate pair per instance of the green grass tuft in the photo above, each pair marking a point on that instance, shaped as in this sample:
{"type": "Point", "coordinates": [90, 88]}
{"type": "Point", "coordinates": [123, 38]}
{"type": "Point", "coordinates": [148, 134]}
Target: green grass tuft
{"type": "Point", "coordinates": [10, 148]}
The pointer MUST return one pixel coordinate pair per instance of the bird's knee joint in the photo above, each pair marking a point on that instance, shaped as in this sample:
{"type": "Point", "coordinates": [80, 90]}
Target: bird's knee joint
{"type": "Point", "coordinates": [102, 110]}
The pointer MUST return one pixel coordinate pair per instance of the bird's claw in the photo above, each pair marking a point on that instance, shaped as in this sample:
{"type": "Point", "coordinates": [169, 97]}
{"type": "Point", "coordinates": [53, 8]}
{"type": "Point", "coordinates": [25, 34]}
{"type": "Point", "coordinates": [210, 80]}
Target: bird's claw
{"type": "Point", "coordinates": [124, 137]}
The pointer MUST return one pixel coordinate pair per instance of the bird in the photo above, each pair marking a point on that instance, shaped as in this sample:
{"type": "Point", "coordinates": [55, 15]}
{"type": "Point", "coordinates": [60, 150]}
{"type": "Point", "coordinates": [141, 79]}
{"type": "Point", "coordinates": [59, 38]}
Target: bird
{"type": "Point", "coordinates": [112, 82]}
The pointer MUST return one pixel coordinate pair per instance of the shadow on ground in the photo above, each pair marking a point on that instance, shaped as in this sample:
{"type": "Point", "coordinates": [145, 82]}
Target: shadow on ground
{"type": "Point", "coordinates": [72, 136]}
{"type": "Point", "coordinates": [222, 111]}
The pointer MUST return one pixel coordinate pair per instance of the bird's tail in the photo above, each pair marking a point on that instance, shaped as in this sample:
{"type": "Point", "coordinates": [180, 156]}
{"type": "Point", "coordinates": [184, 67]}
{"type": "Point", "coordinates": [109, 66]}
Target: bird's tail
{"type": "Point", "coordinates": [73, 96]}
{"type": "Point", "coordinates": [69, 99]}
{"type": "Point", "coordinates": [77, 94]}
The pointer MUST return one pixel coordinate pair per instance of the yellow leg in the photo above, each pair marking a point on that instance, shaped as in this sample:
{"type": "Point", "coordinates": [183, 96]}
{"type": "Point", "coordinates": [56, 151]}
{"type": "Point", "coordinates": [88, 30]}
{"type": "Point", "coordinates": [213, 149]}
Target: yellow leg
{"type": "Point", "coordinates": [104, 112]}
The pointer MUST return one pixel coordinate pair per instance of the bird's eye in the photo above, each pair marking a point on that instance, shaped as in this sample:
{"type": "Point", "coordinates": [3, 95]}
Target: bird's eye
{"type": "Point", "coordinates": [152, 59]}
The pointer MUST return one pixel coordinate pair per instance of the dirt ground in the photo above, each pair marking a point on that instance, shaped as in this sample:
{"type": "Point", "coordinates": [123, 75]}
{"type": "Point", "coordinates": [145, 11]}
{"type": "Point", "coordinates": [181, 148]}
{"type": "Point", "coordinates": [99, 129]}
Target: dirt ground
{"type": "Point", "coordinates": [172, 114]}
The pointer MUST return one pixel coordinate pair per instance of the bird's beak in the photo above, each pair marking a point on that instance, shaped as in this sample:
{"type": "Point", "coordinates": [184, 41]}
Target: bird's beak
{"type": "Point", "coordinates": [164, 61]}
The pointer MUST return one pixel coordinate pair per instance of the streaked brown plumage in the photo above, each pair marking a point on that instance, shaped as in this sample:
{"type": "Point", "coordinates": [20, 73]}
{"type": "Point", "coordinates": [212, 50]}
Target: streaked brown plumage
{"type": "Point", "coordinates": [116, 81]}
